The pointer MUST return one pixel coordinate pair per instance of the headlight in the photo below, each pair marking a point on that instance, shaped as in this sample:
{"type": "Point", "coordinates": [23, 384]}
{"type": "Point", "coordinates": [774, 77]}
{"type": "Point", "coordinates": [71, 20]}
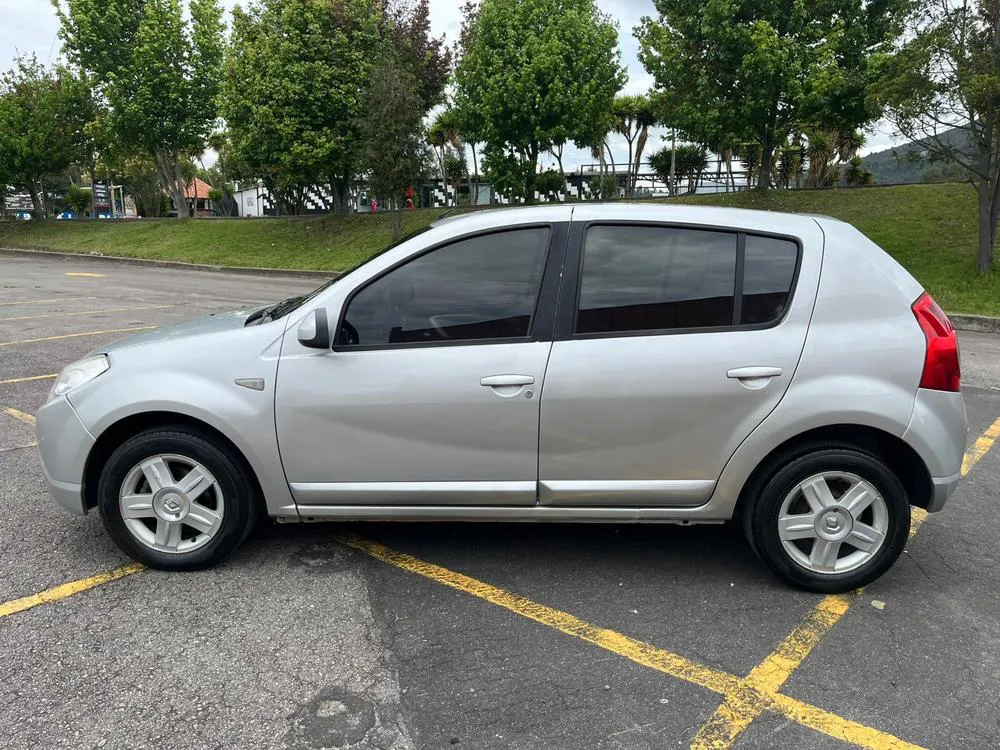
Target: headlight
{"type": "Point", "coordinates": [79, 373]}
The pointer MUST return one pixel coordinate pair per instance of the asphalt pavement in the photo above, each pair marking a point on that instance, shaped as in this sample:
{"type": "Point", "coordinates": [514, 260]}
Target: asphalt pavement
{"type": "Point", "coordinates": [457, 635]}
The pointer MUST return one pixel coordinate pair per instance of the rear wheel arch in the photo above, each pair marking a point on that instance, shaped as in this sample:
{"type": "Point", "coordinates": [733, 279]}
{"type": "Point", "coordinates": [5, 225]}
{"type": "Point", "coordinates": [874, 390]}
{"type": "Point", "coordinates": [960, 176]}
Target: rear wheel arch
{"type": "Point", "coordinates": [904, 461]}
{"type": "Point", "coordinates": [127, 427]}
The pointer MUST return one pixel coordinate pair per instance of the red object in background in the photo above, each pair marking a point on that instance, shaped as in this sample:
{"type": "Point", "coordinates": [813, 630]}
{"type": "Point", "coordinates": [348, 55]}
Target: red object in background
{"type": "Point", "coordinates": [409, 196]}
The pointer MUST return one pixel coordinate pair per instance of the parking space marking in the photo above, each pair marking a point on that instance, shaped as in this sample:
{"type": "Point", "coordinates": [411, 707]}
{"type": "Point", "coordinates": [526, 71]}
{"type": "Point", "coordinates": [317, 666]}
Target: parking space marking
{"type": "Point", "coordinates": [18, 414]}
{"type": "Point", "coordinates": [754, 691]}
{"type": "Point", "coordinates": [28, 379]}
{"type": "Point", "coordinates": [67, 590]}
{"type": "Point", "coordinates": [746, 698]}
{"type": "Point", "coordinates": [981, 447]}
{"type": "Point", "coordinates": [88, 275]}
{"type": "Point", "coordinates": [44, 301]}
{"type": "Point", "coordinates": [736, 714]}
{"type": "Point", "coordinates": [75, 335]}
{"type": "Point", "coordinates": [85, 312]}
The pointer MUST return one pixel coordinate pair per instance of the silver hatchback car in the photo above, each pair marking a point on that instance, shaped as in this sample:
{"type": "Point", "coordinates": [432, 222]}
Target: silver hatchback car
{"type": "Point", "coordinates": [625, 363]}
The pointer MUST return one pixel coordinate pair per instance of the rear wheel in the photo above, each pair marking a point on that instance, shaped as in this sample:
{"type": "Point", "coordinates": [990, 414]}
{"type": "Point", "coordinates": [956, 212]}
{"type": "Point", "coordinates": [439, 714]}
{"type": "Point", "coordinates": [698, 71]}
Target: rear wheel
{"type": "Point", "coordinates": [173, 500]}
{"type": "Point", "coordinates": [830, 520]}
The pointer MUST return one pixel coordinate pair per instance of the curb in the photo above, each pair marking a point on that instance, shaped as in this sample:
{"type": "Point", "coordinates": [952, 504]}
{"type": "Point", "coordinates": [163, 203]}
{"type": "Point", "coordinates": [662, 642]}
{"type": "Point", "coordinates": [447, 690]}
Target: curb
{"type": "Point", "coordinates": [248, 270]}
{"type": "Point", "coordinates": [975, 323]}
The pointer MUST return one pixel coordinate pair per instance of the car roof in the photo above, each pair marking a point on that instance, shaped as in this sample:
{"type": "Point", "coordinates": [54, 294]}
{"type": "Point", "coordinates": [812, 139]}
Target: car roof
{"type": "Point", "coordinates": [709, 216]}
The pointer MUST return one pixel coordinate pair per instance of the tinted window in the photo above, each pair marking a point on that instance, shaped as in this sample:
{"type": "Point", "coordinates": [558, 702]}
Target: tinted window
{"type": "Point", "coordinates": [481, 288]}
{"type": "Point", "coordinates": [654, 278]}
{"type": "Point", "coordinates": [767, 278]}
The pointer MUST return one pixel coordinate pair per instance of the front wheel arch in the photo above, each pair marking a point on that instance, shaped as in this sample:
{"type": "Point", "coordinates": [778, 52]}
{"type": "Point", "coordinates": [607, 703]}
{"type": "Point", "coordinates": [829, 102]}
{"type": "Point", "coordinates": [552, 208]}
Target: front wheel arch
{"type": "Point", "coordinates": [128, 427]}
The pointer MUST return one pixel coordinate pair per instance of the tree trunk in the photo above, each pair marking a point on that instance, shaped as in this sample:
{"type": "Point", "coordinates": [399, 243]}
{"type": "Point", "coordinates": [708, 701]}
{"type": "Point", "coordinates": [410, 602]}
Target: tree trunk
{"type": "Point", "coordinates": [168, 169]}
{"type": "Point", "coordinates": [530, 180]}
{"type": "Point", "coordinates": [672, 188]}
{"type": "Point", "coordinates": [396, 220]}
{"type": "Point", "coordinates": [640, 146]}
{"type": "Point", "coordinates": [475, 169]}
{"type": "Point", "coordinates": [984, 255]}
{"type": "Point", "coordinates": [766, 161]}
{"type": "Point", "coordinates": [562, 173]}
{"type": "Point", "coordinates": [36, 203]}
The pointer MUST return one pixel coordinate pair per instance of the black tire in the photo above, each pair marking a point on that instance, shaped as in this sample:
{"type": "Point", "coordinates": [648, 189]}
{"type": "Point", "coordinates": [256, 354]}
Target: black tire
{"type": "Point", "coordinates": [230, 471]}
{"type": "Point", "coordinates": [760, 517]}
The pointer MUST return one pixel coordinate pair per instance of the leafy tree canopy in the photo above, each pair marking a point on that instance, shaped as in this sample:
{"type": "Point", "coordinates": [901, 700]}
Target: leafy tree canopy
{"type": "Point", "coordinates": [757, 70]}
{"type": "Point", "coordinates": [43, 119]}
{"type": "Point", "coordinates": [535, 73]}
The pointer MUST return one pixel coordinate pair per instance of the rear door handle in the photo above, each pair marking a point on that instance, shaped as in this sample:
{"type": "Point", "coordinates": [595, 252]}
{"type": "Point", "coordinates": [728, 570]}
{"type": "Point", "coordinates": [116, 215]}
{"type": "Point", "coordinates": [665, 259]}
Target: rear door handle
{"type": "Point", "coordinates": [751, 373]}
{"type": "Point", "coordinates": [499, 381]}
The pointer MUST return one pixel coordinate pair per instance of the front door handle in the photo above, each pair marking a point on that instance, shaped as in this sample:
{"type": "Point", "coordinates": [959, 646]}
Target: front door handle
{"type": "Point", "coordinates": [500, 381]}
{"type": "Point", "coordinates": [745, 373]}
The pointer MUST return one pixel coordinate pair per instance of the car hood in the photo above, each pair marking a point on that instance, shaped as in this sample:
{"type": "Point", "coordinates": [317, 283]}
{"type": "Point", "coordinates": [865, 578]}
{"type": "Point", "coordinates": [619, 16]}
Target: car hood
{"type": "Point", "coordinates": [214, 323]}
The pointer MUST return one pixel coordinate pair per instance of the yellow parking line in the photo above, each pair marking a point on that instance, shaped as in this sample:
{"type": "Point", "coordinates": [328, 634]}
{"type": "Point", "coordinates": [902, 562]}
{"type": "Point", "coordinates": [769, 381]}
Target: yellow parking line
{"type": "Point", "coordinates": [89, 275]}
{"type": "Point", "coordinates": [75, 335]}
{"type": "Point", "coordinates": [67, 589]}
{"type": "Point", "coordinates": [28, 379]}
{"type": "Point", "coordinates": [85, 312]}
{"type": "Point", "coordinates": [44, 301]}
{"type": "Point", "coordinates": [637, 651]}
{"type": "Point", "coordinates": [646, 654]}
{"type": "Point", "coordinates": [980, 447]}
{"type": "Point", "coordinates": [737, 713]}
{"type": "Point", "coordinates": [17, 414]}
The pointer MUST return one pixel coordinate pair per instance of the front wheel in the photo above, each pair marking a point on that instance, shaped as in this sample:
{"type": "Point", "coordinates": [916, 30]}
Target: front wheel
{"type": "Point", "coordinates": [829, 521]}
{"type": "Point", "coordinates": [174, 500]}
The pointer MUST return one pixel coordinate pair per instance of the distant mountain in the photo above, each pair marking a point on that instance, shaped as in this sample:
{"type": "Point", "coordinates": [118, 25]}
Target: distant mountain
{"type": "Point", "coordinates": [911, 162]}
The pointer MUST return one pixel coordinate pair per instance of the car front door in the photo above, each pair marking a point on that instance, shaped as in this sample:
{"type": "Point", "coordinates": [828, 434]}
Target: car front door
{"type": "Point", "coordinates": [673, 344]}
{"type": "Point", "coordinates": [429, 396]}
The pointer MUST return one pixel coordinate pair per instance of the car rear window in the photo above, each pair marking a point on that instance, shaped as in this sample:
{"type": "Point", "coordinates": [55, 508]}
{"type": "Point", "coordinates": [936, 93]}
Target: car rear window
{"type": "Point", "coordinates": [642, 278]}
{"type": "Point", "coordinates": [769, 269]}
{"type": "Point", "coordinates": [659, 278]}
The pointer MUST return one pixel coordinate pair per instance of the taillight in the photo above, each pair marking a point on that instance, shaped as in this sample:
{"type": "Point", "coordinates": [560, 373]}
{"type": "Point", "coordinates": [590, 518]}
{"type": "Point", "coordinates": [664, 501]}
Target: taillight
{"type": "Point", "coordinates": [941, 366]}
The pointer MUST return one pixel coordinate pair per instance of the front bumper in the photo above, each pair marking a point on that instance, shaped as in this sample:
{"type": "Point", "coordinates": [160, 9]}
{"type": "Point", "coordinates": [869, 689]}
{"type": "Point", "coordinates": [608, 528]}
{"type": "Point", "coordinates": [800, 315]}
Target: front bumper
{"type": "Point", "coordinates": [64, 444]}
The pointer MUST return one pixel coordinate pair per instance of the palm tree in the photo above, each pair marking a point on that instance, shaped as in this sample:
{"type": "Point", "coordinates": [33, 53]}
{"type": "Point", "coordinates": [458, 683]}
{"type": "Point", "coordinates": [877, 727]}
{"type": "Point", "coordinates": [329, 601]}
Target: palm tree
{"type": "Point", "coordinates": [442, 134]}
{"type": "Point", "coordinates": [633, 117]}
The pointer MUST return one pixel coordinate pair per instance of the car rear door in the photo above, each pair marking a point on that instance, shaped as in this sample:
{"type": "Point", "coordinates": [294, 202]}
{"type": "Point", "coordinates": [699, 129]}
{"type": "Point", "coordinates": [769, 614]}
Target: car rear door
{"type": "Point", "coordinates": [673, 343]}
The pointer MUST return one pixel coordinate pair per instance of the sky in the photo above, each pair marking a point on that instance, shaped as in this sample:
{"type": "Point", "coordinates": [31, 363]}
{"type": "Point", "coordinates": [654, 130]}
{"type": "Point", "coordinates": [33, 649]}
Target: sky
{"type": "Point", "coordinates": [30, 26]}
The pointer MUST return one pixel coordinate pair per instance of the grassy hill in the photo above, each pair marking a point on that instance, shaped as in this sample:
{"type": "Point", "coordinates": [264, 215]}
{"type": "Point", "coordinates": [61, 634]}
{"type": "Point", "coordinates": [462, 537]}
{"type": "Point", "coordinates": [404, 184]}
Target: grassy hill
{"type": "Point", "coordinates": [911, 163]}
{"type": "Point", "coordinates": [930, 229]}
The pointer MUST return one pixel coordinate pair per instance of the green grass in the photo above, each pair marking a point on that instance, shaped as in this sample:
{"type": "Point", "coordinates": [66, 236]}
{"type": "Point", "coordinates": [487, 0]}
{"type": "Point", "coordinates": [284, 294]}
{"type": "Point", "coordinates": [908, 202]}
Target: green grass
{"type": "Point", "coordinates": [930, 229]}
{"type": "Point", "coordinates": [327, 243]}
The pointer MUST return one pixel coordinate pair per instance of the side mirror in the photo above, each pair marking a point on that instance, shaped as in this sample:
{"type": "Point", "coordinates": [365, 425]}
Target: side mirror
{"type": "Point", "coordinates": [314, 331]}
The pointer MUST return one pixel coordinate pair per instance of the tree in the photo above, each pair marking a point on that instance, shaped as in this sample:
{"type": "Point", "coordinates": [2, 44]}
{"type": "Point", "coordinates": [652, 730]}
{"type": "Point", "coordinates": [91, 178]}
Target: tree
{"type": "Point", "coordinates": [946, 76]}
{"type": "Point", "coordinates": [536, 73]}
{"type": "Point", "coordinates": [827, 150]}
{"type": "Point", "coordinates": [687, 161]}
{"type": "Point", "coordinates": [755, 71]}
{"type": "Point", "coordinates": [443, 137]}
{"type": "Point", "coordinates": [392, 137]}
{"type": "Point", "coordinates": [406, 25]}
{"type": "Point", "coordinates": [78, 198]}
{"type": "Point", "coordinates": [158, 71]}
{"type": "Point", "coordinates": [634, 116]}
{"type": "Point", "coordinates": [43, 120]}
